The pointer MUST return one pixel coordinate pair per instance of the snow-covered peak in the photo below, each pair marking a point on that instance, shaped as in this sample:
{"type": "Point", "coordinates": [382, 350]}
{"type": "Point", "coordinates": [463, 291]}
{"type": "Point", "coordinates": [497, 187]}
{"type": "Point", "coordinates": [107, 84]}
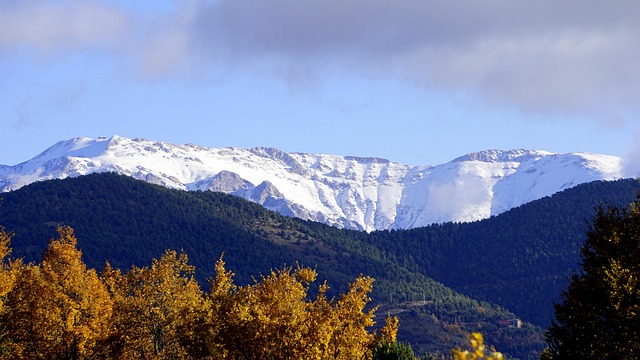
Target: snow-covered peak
{"type": "Point", "coordinates": [345, 191]}
{"type": "Point", "coordinates": [492, 156]}
{"type": "Point", "coordinates": [81, 147]}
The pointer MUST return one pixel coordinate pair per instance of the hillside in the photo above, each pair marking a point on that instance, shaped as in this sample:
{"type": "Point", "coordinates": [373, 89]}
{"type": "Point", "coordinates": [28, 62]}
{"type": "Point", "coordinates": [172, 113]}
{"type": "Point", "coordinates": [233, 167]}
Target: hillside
{"type": "Point", "coordinates": [521, 259]}
{"type": "Point", "coordinates": [126, 221]}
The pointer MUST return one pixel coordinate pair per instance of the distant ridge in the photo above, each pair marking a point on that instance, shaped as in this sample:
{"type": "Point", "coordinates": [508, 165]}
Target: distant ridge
{"type": "Point", "coordinates": [492, 156]}
{"type": "Point", "coordinates": [360, 193]}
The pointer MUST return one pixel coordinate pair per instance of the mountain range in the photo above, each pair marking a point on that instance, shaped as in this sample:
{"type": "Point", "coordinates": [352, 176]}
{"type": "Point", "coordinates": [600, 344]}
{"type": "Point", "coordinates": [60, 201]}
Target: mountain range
{"type": "Point", "coordinates": [441, 280]}
{"type": "Point", "coordinates": [361, 193]}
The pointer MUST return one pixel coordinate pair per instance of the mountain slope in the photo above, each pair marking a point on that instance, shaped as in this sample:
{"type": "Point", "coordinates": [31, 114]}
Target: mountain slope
{"type": "Point", "coordinates": [350, 192]}
{"type": "Point", "coordinates": [521, 259]}
{"type": "Point", "coordinates": [127, 221]}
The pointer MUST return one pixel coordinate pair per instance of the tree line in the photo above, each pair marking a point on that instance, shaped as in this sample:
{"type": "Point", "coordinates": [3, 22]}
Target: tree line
{"type": "Point", "coordinates": [59, 308]}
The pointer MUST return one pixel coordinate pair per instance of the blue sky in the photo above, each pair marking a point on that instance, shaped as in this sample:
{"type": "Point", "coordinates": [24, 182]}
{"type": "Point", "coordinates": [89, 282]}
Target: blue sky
{"type": "Point", "coordinates": [413, 81]}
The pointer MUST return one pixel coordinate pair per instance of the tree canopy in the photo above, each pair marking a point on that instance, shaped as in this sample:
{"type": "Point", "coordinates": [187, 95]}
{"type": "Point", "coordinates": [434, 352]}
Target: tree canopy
{"type": "Point", "coordinates": [599, 315]}
{"type": "Point", "coordinates": [61, 309]}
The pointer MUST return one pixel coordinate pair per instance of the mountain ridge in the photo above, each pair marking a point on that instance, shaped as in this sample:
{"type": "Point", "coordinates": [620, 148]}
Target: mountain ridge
{"type": "Point", "coordinates": [362, 193]}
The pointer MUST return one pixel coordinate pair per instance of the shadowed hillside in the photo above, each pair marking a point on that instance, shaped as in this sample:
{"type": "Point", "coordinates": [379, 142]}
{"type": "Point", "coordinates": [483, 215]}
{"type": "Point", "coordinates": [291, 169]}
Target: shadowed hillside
{"type": "Point", "coordinates": [519, 260]}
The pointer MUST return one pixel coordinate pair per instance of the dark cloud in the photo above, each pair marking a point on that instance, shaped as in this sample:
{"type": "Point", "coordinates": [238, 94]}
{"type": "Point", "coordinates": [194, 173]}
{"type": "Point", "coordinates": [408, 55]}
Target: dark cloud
{"type": "Point", "coordinates": [571, 57]}
{"type": "Point", "coordinates": [540, 56]}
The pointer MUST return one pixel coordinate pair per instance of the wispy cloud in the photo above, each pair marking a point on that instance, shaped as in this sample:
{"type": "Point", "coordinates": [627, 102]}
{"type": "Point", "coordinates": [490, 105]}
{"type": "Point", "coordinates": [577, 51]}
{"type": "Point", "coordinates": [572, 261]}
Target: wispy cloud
{"type": "Point", "coordinates": [632, 166]}
{"type": "Point", "coordinates": [23, 115]}
{"type": "Point", "coordinates": [60, 26]}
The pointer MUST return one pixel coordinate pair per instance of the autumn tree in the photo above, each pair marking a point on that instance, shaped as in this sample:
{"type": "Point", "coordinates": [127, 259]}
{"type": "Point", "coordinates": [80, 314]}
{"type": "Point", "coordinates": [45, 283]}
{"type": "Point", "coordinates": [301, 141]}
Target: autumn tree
{"type": "Point", "coordinates": [478, 350]}
{"type": "Point", "coordinates": [7, 281]}
{"type": "Point", "coordinates": [387, 347]}
{"type": "Point", "coordinates": [266, 320]}
{"type": "Point", "coordinates": [350, 338]}
{"type": "Point", "coordinates": [7, 277]}
{"type": "Point", "coordinates": [156, 310]}
{"type": "Point", "coordinates": [59, 309]}
{"type": "Point", "coordinates": [599, 315]}
{"type": "Point", "coordinates": [274, 318]}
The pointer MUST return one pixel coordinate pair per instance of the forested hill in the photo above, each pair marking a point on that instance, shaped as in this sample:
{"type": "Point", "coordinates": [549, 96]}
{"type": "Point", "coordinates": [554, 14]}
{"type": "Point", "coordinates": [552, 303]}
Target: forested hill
{"type": "Point", "coordinates": [127, 221]}
{"type": "Point", "coordinates": [520, 260]}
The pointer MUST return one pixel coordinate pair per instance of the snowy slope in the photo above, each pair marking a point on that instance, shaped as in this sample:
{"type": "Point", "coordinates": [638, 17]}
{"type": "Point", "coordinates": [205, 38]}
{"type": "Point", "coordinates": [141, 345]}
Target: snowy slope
{"type": "Point", "coordinates": [351, 192]}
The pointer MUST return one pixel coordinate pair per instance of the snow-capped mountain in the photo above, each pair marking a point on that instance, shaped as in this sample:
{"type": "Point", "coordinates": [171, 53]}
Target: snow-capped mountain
{"type": "Point", "coordinates": [344, 191]}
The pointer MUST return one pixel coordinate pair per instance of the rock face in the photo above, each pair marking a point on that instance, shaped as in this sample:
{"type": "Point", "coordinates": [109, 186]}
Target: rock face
{"type": "Point", "coordinates": [344, 191]}
{"type": "Point", "coordinates": [224, 181]}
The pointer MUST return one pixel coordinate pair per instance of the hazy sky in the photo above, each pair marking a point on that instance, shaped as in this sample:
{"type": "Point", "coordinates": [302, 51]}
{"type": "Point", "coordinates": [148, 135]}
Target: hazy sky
{"type": "Point", "coordinates": [413, 81]}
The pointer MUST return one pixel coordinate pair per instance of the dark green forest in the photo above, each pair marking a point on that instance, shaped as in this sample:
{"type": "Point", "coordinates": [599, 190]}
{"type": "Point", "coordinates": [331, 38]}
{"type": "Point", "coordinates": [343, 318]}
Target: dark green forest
{"type": "Point", "coordinates": [510, 266]}
{"type": "Point", "coordinates": [521, 259]}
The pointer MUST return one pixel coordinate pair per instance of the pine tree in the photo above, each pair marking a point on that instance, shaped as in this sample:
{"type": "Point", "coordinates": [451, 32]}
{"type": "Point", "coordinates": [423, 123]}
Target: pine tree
{"type": "Point", "coordinates": [386, 350]}
{"type": "Point", "coordinates": [599, 315]}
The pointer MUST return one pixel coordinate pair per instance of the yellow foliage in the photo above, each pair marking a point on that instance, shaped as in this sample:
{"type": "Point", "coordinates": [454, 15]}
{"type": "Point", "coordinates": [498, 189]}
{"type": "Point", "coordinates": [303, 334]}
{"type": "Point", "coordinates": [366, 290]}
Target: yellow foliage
{"type": "Point", "coordinates": [155, 309]}
{"type": "Point", "coordinates": [389, 331]}
{"type": "Point", "coordinates": [478, 350]}
{"type": "Point", "coordinates": [5, 239]}
{"type": "Point", "coordinates": [7, 274]}
{"type": "Point", "coordinates": [61, 309]}
{"type": "Point", "coordinates": [58, 309]}
{"type": "Point", "coordinates": [274, 319]}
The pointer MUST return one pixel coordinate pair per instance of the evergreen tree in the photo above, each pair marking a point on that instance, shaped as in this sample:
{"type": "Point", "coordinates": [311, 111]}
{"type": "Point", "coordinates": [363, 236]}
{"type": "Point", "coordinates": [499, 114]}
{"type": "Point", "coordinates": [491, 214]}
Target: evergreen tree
{"type": "Point", "coordinates": [599, 316]}
{"type": "Point", "coordinates": [386, 350]}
